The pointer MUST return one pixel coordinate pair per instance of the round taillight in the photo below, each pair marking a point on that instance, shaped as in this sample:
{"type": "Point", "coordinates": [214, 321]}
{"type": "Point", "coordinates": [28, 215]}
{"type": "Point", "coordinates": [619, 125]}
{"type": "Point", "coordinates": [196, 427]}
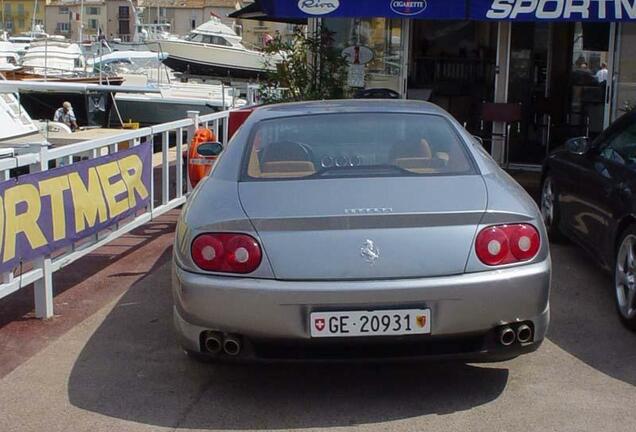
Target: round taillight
{"type": "Point", "coordinates": [505, 244]}
{"type": "Point", "coordinates": [524, 242]}
{"type": "Point", "coordinates": [243, 253]}
{"type": "Point", "coordinates": [492, 245]}
{"type": "Point", "coordinates": [225, 252]}
{"type": "Point", "coordinates": [207, 252]}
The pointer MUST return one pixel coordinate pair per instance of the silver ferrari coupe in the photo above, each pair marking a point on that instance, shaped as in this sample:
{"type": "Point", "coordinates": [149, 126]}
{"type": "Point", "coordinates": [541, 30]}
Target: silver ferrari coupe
{"type": "Point", "coordinates": [362, 229]}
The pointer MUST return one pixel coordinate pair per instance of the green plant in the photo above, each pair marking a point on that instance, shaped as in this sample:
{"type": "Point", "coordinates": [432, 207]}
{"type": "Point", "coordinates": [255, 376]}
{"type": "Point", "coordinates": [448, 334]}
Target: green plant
{"type": "Point", "coordinates": [310, 68]}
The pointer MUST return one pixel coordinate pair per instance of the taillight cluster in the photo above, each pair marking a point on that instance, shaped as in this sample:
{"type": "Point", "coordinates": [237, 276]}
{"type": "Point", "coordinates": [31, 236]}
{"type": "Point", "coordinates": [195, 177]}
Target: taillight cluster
{"type": "Point", "coordinates": [506, 244]}
{"type": "Point", "coordinates": [225, 252]}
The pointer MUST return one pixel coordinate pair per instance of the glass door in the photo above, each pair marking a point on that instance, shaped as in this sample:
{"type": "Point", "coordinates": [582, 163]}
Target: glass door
{"type": "Point", "coordinates": [452, 64]}
{"type": "Point", "coordinates": [528, 86]}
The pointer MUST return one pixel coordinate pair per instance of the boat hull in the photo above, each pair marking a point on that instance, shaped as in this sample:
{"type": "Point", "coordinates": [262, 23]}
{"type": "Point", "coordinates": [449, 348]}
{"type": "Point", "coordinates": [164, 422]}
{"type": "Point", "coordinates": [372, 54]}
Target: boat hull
{"type": "Point", "coordinates": [149, 112]}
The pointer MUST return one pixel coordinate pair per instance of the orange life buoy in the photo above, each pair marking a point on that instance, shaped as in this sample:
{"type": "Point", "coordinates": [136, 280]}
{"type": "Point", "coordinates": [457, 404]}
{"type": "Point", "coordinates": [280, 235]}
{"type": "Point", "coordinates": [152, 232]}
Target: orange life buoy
{"type": "Point", "coordinates": [199, 166]}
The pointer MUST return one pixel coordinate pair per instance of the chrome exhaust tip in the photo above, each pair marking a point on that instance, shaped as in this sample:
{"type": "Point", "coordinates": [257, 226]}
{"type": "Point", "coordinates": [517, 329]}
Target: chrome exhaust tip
{"type": "Point", "coordinates": [232, 345]}
{"type": "Point", "coordinates": [524, 333]}
{"type": "Point", "coordinates": [213, 343]}
{"type": "Point", "coordinates": [507, 336]}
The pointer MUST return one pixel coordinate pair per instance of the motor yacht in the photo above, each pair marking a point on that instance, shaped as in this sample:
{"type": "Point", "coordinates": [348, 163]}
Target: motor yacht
{"type": "Point", "coordinates": [214, 49]}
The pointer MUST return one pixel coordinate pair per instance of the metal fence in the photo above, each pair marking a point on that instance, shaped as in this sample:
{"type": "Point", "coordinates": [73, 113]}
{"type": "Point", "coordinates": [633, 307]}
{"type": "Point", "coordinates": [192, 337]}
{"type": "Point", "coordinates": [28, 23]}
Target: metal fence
{"type": "Point", "coordinates": [40, 271]}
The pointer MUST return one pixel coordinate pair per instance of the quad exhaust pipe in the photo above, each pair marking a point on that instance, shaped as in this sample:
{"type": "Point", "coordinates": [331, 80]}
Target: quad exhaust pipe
{"type": "Point", "coordinates": [507, 336]}
{"type": "Point", "coordinates": [517, 332]}
{"type": "Point", "coordinates": [232, 345]}
{"type": "Point", "coordinates": [215, 343]}
{"type": "Point", "coordinates": [524, 333]}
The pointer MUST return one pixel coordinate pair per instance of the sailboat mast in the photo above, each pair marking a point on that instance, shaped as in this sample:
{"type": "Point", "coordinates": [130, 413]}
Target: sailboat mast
{"type": "Point", "coordinates": [35, 11]}
{"type": "Point", "coordinates": [81, 26]}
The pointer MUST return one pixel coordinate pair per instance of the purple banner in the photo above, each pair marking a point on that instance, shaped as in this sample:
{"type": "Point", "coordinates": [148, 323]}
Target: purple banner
{"type": "Point", "coordinates": [45, 211]}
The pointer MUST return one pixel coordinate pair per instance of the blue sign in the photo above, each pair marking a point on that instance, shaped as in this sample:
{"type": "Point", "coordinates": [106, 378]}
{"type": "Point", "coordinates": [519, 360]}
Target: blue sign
{"type": "Point", "coordinates": [553, 10]}
{"type": "Point", "coordinates": [419, 9]}
{"type": "Point", "coordinates": [478, 10]}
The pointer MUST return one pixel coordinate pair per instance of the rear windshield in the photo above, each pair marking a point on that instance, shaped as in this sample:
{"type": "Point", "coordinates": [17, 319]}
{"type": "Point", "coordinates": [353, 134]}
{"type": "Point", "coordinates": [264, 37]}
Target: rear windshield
{"type": "Point", "coordinates": [355, 145]}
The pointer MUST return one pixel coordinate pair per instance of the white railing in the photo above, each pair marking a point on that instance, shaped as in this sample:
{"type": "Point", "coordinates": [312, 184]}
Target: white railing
{"type": "Point", "coordinates": [40, 271]}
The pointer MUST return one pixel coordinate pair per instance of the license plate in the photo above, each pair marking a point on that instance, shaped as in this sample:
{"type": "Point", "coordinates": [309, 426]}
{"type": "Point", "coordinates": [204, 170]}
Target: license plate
{"type": "Point", "coordinates": [370, 323]}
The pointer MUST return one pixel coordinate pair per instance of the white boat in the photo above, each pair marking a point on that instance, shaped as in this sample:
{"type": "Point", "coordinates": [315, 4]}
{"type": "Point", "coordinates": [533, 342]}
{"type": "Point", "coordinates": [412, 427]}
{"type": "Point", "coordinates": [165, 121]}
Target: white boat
{"type": "Point", "coordinates": [214, 49]}
{"type": "Point", "coordinates": [14, 119]}
{"type": "Point", "coordinates": [24, 40]}
{"type": "Point", "coordinates": [174, 98]}
{"type": "Point", "coordinates": [121, 61]}
{"type": "Point", "coordinates": [9, 57]}
{"type": "Point", "coordinates": [54, 56]}
{"type": "Point", "coordinates": [173, 102]}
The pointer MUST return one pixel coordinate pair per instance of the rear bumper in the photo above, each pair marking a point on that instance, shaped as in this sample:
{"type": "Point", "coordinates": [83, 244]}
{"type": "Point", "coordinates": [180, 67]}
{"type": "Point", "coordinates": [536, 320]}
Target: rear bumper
{"type": "Point", "coordinates": [272, 317]}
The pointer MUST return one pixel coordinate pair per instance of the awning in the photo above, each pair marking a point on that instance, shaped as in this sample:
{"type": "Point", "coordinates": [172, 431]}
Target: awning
{"type": "Point", "coordinates": [255, 11]}
{"type": "Point", "coordinates": [424, 9]}
{"type": "Point", "coordinates": [480, 10]}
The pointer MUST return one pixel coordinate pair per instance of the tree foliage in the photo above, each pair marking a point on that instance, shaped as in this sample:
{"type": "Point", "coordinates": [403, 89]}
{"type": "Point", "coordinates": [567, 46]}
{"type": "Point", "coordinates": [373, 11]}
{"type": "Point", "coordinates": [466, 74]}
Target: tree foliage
{"type": "Point", "coordinates": [310, 68]}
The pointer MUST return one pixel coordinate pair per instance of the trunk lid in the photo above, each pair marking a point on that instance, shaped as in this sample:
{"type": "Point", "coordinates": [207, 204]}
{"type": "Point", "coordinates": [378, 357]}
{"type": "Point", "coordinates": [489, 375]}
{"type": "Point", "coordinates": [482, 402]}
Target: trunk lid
{"type": "Point", "coordinates": [366, 228]}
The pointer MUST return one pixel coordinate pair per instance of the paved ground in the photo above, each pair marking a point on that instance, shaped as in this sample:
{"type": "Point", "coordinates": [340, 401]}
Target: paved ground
{"type": "Point", "coordinates": [116, 367]}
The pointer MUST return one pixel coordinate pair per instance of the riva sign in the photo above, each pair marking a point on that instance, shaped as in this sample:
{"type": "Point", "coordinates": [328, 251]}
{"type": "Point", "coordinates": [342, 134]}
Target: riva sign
{"type": "Point", "coordinates": [558, 10]}
{"type": "Point", "coordinates": [318, 7]}
{"type": "Point", "coordinates": [46, 211]}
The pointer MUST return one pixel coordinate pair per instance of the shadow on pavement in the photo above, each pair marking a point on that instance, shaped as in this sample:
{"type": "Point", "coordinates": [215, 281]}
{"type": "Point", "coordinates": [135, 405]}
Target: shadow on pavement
{"type": "Point", "coordinates": [584, 321]}
{"type": "Point", "coordinates": [132, 369]}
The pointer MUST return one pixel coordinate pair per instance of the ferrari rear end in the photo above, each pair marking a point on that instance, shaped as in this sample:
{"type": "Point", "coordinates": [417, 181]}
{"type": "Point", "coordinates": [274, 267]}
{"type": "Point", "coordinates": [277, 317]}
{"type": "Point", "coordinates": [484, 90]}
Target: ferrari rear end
{"type": "Point", "coordinates": [359, 230]}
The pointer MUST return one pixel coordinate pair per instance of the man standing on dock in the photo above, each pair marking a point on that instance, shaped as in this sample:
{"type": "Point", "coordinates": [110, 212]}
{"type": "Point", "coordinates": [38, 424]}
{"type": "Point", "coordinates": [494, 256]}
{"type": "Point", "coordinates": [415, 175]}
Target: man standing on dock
{"type": "Point", "coordinates": [66, 115]}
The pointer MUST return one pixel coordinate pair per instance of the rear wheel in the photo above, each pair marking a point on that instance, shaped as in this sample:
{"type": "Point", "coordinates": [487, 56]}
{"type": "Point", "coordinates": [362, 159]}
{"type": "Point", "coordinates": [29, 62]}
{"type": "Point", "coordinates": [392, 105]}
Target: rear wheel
{"type": "Point", "coordinates": [625, 278]}
{"type": "Point", "coordinates": [550, 208]}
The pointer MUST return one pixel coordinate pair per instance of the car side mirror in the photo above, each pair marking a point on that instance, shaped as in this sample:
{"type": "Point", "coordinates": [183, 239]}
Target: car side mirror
{"type": "Point", "coordinates": [578, 145]}
{"type": "Point", "coordinates": [210, 149]}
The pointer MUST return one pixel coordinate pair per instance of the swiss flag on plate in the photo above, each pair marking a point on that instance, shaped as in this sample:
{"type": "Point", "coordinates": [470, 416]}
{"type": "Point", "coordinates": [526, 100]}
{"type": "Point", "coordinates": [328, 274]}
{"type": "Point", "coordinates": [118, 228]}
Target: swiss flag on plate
{"type": "Point", "coordinates": [319, 323]}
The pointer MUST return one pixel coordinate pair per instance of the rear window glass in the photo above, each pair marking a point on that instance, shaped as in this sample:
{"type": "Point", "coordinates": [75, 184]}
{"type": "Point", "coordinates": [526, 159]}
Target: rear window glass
{"type": "Point", "coordinates": [355, 145]}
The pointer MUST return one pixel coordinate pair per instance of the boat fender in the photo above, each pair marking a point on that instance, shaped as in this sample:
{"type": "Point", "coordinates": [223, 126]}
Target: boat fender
{"type": "Point", "coordinates": [200, 166]}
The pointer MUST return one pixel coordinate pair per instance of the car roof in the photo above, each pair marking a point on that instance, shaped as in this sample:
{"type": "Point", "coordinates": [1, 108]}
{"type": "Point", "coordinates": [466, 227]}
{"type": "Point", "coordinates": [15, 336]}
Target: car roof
{"type": "Point", "coordinates": [348, 106]}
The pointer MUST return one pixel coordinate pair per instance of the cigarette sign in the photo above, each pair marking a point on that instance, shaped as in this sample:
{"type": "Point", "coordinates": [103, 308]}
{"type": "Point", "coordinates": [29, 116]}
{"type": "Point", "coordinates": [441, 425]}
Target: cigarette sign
{"type": "Point", "coordinates": [43, 212]}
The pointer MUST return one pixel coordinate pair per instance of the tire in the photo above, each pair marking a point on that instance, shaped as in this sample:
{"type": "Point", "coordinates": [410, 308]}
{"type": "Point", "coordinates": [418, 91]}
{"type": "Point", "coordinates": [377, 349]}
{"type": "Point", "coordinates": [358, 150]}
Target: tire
{"type": "Point", "coordinates": [625, 277]}
{"type": "Point", "coordinates": [549, 205]}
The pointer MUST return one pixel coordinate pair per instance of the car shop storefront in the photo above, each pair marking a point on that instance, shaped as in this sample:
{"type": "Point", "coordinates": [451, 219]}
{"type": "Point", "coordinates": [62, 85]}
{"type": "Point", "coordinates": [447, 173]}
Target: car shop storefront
{"type": "Point", "coordinates": [564, 67]}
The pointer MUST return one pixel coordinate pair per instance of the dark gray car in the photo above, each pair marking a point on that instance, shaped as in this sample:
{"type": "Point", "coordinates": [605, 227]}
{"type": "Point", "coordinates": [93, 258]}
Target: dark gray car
{"type": "Point", "coordinates": [359, 229]}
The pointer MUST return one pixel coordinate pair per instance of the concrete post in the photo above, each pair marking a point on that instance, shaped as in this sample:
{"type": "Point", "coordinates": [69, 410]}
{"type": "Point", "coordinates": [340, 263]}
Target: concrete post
{"type": "Point", "coordinates": [43, 287]}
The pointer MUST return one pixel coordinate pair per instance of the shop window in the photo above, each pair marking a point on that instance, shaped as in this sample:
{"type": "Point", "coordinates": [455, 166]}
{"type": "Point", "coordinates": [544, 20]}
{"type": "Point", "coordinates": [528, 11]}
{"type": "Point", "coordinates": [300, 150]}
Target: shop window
{"type": "Point", "coordinates": [588, 77]}
{"type": "Point", "coordinates": [384, 38]}
{"type": "Point", "coordinates": [625, 89]}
